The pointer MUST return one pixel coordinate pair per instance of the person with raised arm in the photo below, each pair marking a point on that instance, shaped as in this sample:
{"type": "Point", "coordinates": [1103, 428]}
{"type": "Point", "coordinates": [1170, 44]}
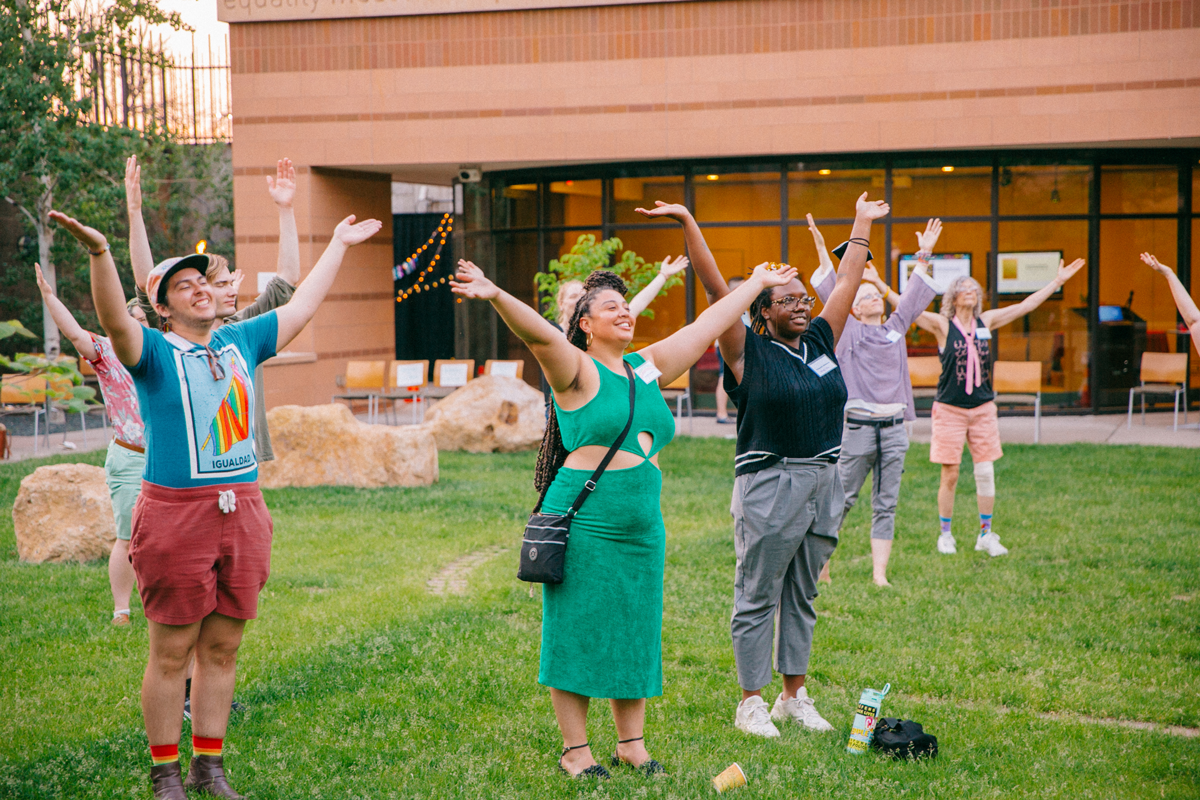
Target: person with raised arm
{"type": "Point", "coordinates": [1183, 300]}
{"type": "Point", "coordinates": [201, 533]}
{"type": "Point", "coordinates": [126, 457]}
{"type": "Point", "coordinates": [602, 626]}
{"type": "Point", "coordinates": [223, 283]}
{"type": "Point", "coordinates": [964, 411]}
{"type": "Point", "coordinates": [787, 495]}
{"type": "Point", "coordinates": [873, 357]}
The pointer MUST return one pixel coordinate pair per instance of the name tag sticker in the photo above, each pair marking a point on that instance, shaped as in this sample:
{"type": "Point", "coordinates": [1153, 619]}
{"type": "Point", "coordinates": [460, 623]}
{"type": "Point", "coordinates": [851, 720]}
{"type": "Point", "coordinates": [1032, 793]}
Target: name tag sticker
{"type": "Point", "coordinates": [647, 372]}
{"type": "Point", "coordinates": [822, 365]}
{"type": "Point", "coordinates": [983, 333]}
{"type": "Point", "coordinates": [894, 336]}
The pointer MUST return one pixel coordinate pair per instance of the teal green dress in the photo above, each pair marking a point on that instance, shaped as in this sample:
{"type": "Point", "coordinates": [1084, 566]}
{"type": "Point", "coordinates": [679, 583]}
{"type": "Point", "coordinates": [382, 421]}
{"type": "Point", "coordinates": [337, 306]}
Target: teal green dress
{"type": "Point", "coordinates": [602, 626]}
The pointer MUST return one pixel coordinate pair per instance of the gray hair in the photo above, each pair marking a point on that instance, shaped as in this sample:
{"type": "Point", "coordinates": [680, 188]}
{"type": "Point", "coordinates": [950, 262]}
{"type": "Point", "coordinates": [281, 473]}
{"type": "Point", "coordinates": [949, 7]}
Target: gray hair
{"type": "Point", "coordinates": [957, 285]}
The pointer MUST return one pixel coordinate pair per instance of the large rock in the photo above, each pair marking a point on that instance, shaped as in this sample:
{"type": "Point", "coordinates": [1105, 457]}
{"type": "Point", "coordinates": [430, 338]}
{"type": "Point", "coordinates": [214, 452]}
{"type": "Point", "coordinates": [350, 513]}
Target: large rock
{"type": "Point", "coordinates": [63, 513]}
{"type": "Point", "coordinates": [490, 413]}
{"type": "Point", "coordinates": [327, 446]}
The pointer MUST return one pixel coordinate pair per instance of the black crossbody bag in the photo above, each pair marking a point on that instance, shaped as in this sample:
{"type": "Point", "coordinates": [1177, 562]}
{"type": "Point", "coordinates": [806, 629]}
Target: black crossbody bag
{"type": "Point", "coordinates": [544, 548]}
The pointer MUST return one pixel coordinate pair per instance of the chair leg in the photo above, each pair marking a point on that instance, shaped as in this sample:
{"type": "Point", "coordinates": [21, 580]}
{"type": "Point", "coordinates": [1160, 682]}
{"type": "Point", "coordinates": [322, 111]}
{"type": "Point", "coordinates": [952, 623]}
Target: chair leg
{"type": "Point", "coordinates": [1129, 418]}
{"type": "Point", "coordinates": [83, 424]}
{"type": "Point", "coordinates": [1175, 412]}
{"type": "Point", "coordinates": [36, 414]}
{"type": "Point", "coordinates": [1143, 409]}
{"type": "Point", "coordinates": [1037, 419]}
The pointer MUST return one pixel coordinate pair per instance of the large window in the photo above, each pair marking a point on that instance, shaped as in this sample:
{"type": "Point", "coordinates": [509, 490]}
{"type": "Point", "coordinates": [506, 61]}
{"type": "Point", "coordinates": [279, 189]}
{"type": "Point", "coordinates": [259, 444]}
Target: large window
{"type": "Point", "coordinates": [1105, 206]}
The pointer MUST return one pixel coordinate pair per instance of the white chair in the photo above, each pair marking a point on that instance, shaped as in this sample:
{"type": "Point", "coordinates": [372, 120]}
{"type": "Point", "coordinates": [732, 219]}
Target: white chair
{"type": "Point", "coordinates": [1161, 374]}
{"type": "Point", "coordinates": [1020, 383]}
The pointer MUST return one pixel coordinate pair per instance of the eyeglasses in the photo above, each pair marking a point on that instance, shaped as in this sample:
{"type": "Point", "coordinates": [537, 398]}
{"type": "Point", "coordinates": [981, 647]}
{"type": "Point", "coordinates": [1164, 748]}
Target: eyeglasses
{"type": "Point", "coordinates": [214, 364]}
{"type": "Point", "coordinates": [792, 302]}
{"type": "Point", "coordinates": [870, 296]}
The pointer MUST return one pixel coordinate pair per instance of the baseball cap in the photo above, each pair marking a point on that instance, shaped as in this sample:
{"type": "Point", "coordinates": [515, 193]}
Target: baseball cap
{"type": "Point", "coordinates": [840, 251]}
{"type": "Point", "coordinates": [156, 284]}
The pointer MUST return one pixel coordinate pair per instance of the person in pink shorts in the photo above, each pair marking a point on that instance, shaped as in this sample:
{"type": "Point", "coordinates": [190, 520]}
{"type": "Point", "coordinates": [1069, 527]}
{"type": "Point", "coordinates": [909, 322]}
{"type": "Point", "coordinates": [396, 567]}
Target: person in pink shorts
{"type": "Point", "coordinates": [964, 411]}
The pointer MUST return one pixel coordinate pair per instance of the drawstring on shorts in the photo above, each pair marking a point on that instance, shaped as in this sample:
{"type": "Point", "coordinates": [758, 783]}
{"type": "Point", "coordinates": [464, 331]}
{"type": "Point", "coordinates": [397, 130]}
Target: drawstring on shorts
{"type": "Point", "coordinates": [227, 501]}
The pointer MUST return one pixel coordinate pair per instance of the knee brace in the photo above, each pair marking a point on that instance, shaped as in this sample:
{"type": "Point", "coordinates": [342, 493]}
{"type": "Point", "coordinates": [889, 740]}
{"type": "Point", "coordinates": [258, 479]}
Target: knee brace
{"type": "Point", "coordinates": [985, 479]}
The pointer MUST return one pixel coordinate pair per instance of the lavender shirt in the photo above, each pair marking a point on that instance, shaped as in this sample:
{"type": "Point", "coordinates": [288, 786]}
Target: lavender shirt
{"type": "Point", "coordinates": [874, 358]}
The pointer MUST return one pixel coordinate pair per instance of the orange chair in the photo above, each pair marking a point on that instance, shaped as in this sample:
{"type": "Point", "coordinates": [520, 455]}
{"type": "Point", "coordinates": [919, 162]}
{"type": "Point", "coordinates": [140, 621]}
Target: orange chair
{"type": "Point", "coordinates": [405, 380]}
{"type": "Point", "coordinates": [1162, 374]}
{"type": "Point", "coordinates": [25, 394]}
{"type": "Point", "coordinates": [924, 372]}
{"type": "Point", "coordinates": [364, 380]}
{"type": "Point", "coordinates": [448, 375]}
{"type": "Point", "coordinates": [1020, 383]}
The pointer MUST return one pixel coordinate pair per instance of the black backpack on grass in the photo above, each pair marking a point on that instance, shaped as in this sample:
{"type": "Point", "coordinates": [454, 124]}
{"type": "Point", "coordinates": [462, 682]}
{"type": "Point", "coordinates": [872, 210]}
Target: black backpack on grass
{"type": "Point", "coordinates": [903, 739]}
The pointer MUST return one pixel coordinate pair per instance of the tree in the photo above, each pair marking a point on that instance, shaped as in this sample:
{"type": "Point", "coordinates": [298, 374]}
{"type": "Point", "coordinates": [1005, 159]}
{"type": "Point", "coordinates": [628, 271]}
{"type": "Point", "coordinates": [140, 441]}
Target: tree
{"type": "Point", "coordinates": [54, 157]}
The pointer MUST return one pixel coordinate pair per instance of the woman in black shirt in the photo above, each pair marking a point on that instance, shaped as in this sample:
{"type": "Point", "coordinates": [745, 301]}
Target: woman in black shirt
{"type": "Point", "coordinates": [787, 497]}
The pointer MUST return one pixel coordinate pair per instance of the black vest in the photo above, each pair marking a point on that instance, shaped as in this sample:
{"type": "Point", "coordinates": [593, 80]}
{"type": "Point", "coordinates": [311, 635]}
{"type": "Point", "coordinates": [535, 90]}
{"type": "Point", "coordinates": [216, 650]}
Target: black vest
{"type": "Point", "coordinates": [951, 388]}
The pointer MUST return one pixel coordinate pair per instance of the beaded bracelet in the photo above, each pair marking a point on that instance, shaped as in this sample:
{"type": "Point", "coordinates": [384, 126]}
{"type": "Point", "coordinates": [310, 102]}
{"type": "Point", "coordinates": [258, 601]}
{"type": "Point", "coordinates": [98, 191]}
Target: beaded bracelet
{"type": "Point", "coordinates": [924, 255]}
{"type": "Point", "coordinates": [100, 252]}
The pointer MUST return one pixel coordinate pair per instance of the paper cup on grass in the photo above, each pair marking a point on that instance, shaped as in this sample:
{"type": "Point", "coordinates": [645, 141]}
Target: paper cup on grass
{"type": "Point", "coordinates": [731, 778]}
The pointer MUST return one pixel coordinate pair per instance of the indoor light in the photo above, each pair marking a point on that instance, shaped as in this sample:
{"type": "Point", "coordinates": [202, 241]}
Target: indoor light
{"type": "Point", "coordinates": [713, 177]}
{"type": "Point", "coordinates": [824, 171]}
{"type": "Point", "coordinates": [947, 169]}
{"type": "Point", "coordinates": [201, 246]}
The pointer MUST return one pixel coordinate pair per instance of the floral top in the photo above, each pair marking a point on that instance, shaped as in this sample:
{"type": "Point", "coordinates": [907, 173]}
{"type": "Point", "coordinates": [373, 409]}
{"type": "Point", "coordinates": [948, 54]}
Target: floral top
{"type": "Point", "coordinates": [120, 396]}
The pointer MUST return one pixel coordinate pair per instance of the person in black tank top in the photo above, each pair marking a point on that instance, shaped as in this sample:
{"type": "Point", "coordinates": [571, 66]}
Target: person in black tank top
{"type": "Point", "coordinates": [964, 410]}
{"type": "Point", "coordinates": [787, 497]}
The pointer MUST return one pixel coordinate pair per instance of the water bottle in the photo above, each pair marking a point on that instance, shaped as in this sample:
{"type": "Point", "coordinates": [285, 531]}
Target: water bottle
{"type": "Point", "coordinates": [865, 715]}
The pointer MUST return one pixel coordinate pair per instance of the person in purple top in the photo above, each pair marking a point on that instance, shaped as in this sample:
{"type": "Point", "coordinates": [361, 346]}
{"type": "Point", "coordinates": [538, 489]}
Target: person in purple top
{"type": "Point", "coordinates": [873, 357]}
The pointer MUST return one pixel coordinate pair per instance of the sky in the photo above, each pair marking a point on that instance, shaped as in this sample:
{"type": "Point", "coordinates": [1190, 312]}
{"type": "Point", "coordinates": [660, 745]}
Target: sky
{"type": "Point", "coordinates": [201, 15]}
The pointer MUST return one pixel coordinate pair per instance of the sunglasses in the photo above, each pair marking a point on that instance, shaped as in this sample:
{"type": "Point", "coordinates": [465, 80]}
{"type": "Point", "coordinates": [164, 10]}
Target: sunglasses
{"type": "Point", "coordinates": [792, 302]}
{"type": "Point", "coordinates": [214, 364]}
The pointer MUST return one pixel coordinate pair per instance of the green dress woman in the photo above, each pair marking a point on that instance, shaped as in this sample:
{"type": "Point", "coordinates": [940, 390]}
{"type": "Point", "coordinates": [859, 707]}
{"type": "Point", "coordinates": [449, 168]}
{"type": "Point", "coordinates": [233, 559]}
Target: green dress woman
{"type": "Point", "coordinates": [602, 627]}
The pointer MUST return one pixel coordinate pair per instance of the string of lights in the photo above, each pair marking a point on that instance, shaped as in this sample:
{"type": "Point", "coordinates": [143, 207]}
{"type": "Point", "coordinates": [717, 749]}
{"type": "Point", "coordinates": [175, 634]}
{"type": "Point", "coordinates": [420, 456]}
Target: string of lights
{"type": "Point", "coordinates": [406, 268]}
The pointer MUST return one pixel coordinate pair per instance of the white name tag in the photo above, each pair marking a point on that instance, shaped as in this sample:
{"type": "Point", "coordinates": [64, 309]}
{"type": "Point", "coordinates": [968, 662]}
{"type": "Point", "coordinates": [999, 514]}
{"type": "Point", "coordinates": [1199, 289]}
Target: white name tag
{"type": "Point", "coordinates": [894, 336]}
{"type": "Point", "coordinates": [983, 333]}
{"type": "Point", "coordinates": [647, 372]}
{"type": "Point", "coordinates": [822, 365]}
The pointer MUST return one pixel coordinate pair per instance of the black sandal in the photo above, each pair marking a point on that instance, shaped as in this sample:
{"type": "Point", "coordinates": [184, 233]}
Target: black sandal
{"type": "Point", "coordinates": [594, 771]}
{"type": "Point", "coordinates": [649, 768]}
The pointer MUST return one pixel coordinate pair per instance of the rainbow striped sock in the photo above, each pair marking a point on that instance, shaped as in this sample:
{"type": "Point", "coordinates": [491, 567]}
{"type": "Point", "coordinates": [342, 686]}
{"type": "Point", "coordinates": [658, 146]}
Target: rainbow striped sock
{"type": "Point", "coordinates": [163, 753]}
{"type": "Point", "coordinates": [202, 746]}
{"type": "Point", "coordinates": [985, 524]}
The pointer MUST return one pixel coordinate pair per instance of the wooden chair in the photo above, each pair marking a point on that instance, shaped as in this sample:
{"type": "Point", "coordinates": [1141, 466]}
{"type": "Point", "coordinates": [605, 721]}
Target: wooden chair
{"type": "Point", "coordinates": [364, 380]}
{"type": "Point", "coordinates": [25, 394]}
{"type": "Point", "coordinates": [1020, 383]}
{"type": "Point", "coordinates": [504, 368]}
{"type": "Point", "coordinates": [405, 380]}
{"type": "Point", "coordinates": [680, 390]}
{"type": "Point", "coordinates": [924, 372]}
{"type": "Point", "coordinates": [448, 375]}
{"type": "Point", "coordinates": [1162, 374]}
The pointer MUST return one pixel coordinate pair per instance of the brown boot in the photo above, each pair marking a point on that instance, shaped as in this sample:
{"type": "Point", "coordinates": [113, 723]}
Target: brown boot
{"type": "Point", "coordinates": [207, 775]}
{"type": "Point", "coordinates": [167, 780]}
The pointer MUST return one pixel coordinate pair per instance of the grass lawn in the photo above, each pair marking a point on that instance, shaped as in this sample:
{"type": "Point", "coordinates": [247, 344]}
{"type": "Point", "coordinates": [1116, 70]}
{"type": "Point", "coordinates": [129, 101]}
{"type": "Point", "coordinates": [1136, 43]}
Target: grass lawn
{"type": "Point", "coordinates": [361, 684]}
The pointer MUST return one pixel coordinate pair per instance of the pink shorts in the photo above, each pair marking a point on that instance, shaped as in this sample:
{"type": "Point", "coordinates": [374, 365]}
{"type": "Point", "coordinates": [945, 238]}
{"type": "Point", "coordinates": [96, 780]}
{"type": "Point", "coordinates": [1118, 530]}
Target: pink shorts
{"type": "Point", "coordinates": [191, 558]}
{"type": "Point", "coordinates": [953, 427]}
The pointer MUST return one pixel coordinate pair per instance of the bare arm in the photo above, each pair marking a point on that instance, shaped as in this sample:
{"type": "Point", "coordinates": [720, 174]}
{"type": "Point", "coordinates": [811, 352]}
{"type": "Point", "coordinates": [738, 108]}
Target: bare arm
{"type": "Point", "coordinates": [1183, 301]}
{"type": "Point", "coordinates": [282, 189]}
{"type": "Point", "coordinates": [140, 256]}
{"type": "Point", "coordinates": [293, 316]}
{"type": "Point", "coordinates": [65, 321]}
{"type": "Point", "coordinates": [999, 317]}
{"type": "Point", "coordinates": [677, 353]}
{"type": "Point", "coordinates": [645, 297]}
{"type": "Point", "coordinates": [819, 277]}
{"type": "Point", "coordinates": [561, 361]}
{"type": "Point", "coordinates": [109, 298]}
{"type": "Point", "coordinates": [837, 307]}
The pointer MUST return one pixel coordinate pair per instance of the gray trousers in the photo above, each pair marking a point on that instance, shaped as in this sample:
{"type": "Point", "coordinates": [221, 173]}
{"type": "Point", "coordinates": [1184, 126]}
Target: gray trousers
{"type": "Point", "coordinates": [785, 520]}
{"type": "Point", "coordinates": [860, 453]}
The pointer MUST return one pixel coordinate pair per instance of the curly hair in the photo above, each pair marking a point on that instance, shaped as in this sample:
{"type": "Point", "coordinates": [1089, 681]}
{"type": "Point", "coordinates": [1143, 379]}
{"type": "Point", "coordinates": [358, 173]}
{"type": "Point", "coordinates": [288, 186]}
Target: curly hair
{"type": "Point", "coordinates": [553, 453]}
{"type": "Point", "coordinates": [951, 294]}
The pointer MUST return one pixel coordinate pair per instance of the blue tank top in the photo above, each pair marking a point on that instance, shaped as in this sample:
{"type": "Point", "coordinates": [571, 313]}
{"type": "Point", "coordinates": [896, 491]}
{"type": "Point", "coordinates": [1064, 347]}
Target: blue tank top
{"type": "Point", "coordinates": [601, 420]}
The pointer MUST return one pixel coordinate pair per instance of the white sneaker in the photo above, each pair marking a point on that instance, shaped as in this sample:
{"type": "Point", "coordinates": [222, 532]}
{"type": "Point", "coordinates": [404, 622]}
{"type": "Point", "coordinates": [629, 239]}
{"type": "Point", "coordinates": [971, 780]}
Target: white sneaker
{"type": "Point", "coordinates": [946, 544]}
{"type": "Point", "coordinates": [801, 709]}
{"type": "Point", "coordinates": [990, 544]}
{"type": "Point", "coordinates": [752, 717]}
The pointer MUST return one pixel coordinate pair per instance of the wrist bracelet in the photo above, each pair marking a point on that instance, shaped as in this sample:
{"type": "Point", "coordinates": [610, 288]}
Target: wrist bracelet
{"type": "Point", "coordinates": [101, 251]}
{"type": "Point", "coordinates": [859, 241]}
{"type": "Point", "coordinates": [924, 255]}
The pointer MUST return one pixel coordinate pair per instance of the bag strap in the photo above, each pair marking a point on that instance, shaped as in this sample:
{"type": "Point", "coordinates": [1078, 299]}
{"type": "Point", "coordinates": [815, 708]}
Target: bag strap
{"type": "Point", "coordinates": [589, 485]}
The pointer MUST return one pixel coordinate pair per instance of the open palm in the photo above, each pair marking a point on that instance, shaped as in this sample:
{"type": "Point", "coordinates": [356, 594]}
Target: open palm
{"type": "Point", "coordinates": [350, 233]}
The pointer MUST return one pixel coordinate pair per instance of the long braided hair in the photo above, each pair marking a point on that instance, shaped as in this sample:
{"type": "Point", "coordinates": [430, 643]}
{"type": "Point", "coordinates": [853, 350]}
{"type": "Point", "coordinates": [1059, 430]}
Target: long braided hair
{"type": "Point", "coordinates": [553, 454]}
{"type": "Point", "coordinates": [760, 304]}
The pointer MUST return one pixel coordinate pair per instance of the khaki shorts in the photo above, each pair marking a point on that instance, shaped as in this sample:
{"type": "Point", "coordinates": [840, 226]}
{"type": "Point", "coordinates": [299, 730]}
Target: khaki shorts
{"type": "Point", "coordinates": [953, 427]}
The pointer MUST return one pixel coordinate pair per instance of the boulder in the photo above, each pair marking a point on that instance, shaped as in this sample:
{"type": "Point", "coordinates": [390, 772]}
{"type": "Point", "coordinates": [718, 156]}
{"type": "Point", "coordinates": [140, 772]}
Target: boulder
{"type": "Point", "coordinates": [63, 513]}
{"type": "Point", "coordinates": [490, 413]}
{"type": "Point", "coordinates": [327, 446]}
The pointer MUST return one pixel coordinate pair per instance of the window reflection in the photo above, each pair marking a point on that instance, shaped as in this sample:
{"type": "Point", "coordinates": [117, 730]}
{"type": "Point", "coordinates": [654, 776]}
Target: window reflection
{"type": "Point", "coordinates": [632, 193]}
{"type": "Point", "coordinates": [1139, 189]}
{"type": "Point", "coordinates": [736, 197]}
{"type": "Point", "coordinates": [515, 206]}
{"type": "Point", "coordinates": [1061, 189]}
{"type": "Point", "coordinates": [831, 193]}
{"type": "Point", "coordinates": [935, 192]}
{"type": "Point", "coordinates": [571, 203]}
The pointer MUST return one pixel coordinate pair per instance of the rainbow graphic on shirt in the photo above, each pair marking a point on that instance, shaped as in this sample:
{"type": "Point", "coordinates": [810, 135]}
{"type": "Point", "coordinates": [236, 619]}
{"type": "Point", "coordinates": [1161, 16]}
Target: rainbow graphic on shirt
{"type": "Point", "coordinates": [232, 421]}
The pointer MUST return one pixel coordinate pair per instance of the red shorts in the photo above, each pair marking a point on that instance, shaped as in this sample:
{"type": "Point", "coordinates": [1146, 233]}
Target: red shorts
{"type": "Point", "coordinates": [192, 559]}
{"type": "Point", "coordinates": [979, 428]}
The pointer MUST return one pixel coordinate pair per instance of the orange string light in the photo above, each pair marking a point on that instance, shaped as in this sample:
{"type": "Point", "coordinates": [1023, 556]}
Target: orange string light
{"type": "Point", "coordinates": [443, 231]}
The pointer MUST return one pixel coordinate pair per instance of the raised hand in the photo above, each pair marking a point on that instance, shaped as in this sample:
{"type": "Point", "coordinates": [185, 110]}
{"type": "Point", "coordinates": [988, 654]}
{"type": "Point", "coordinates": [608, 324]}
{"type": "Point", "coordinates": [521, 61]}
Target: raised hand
{"type": "Point", "coordinates": [670, 267]}
{"type": "Point", "coordinates": [350, 234]}
{"type": "Point", "coordinates": [1065, 273]}
{"type": "Point", "coordinates": [282, 187]}
{"type": "Point", "coordinates": [871, 275]}
{"type": "Point", "coordinates": [771, 278]}
{"type": "Point", "coordinates": [133, 184]}
{"type": "Point", "coordinates": [871, 209]}
{"type": "Point", "coordinates": [927, 240]}
{"type": "Point", "coordinates": [235, 281]}
{"type": "Point", "coordinates": [1156, 265]}
{"type": "Point", "coordinates": [673, 211]}
{"type": "Point", "coordinates": [90, 238]}
{"type": "Point", "coordinates": [818, 237]}
{"type": "Point", "coordinates": [43, 287]}
{"type": "Point", "coordinates": [470, 282]}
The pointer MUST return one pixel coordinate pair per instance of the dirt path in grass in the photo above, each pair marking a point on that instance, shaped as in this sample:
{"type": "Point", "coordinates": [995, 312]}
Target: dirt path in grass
{"type": "Point", "coordinates": [453, 577]}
